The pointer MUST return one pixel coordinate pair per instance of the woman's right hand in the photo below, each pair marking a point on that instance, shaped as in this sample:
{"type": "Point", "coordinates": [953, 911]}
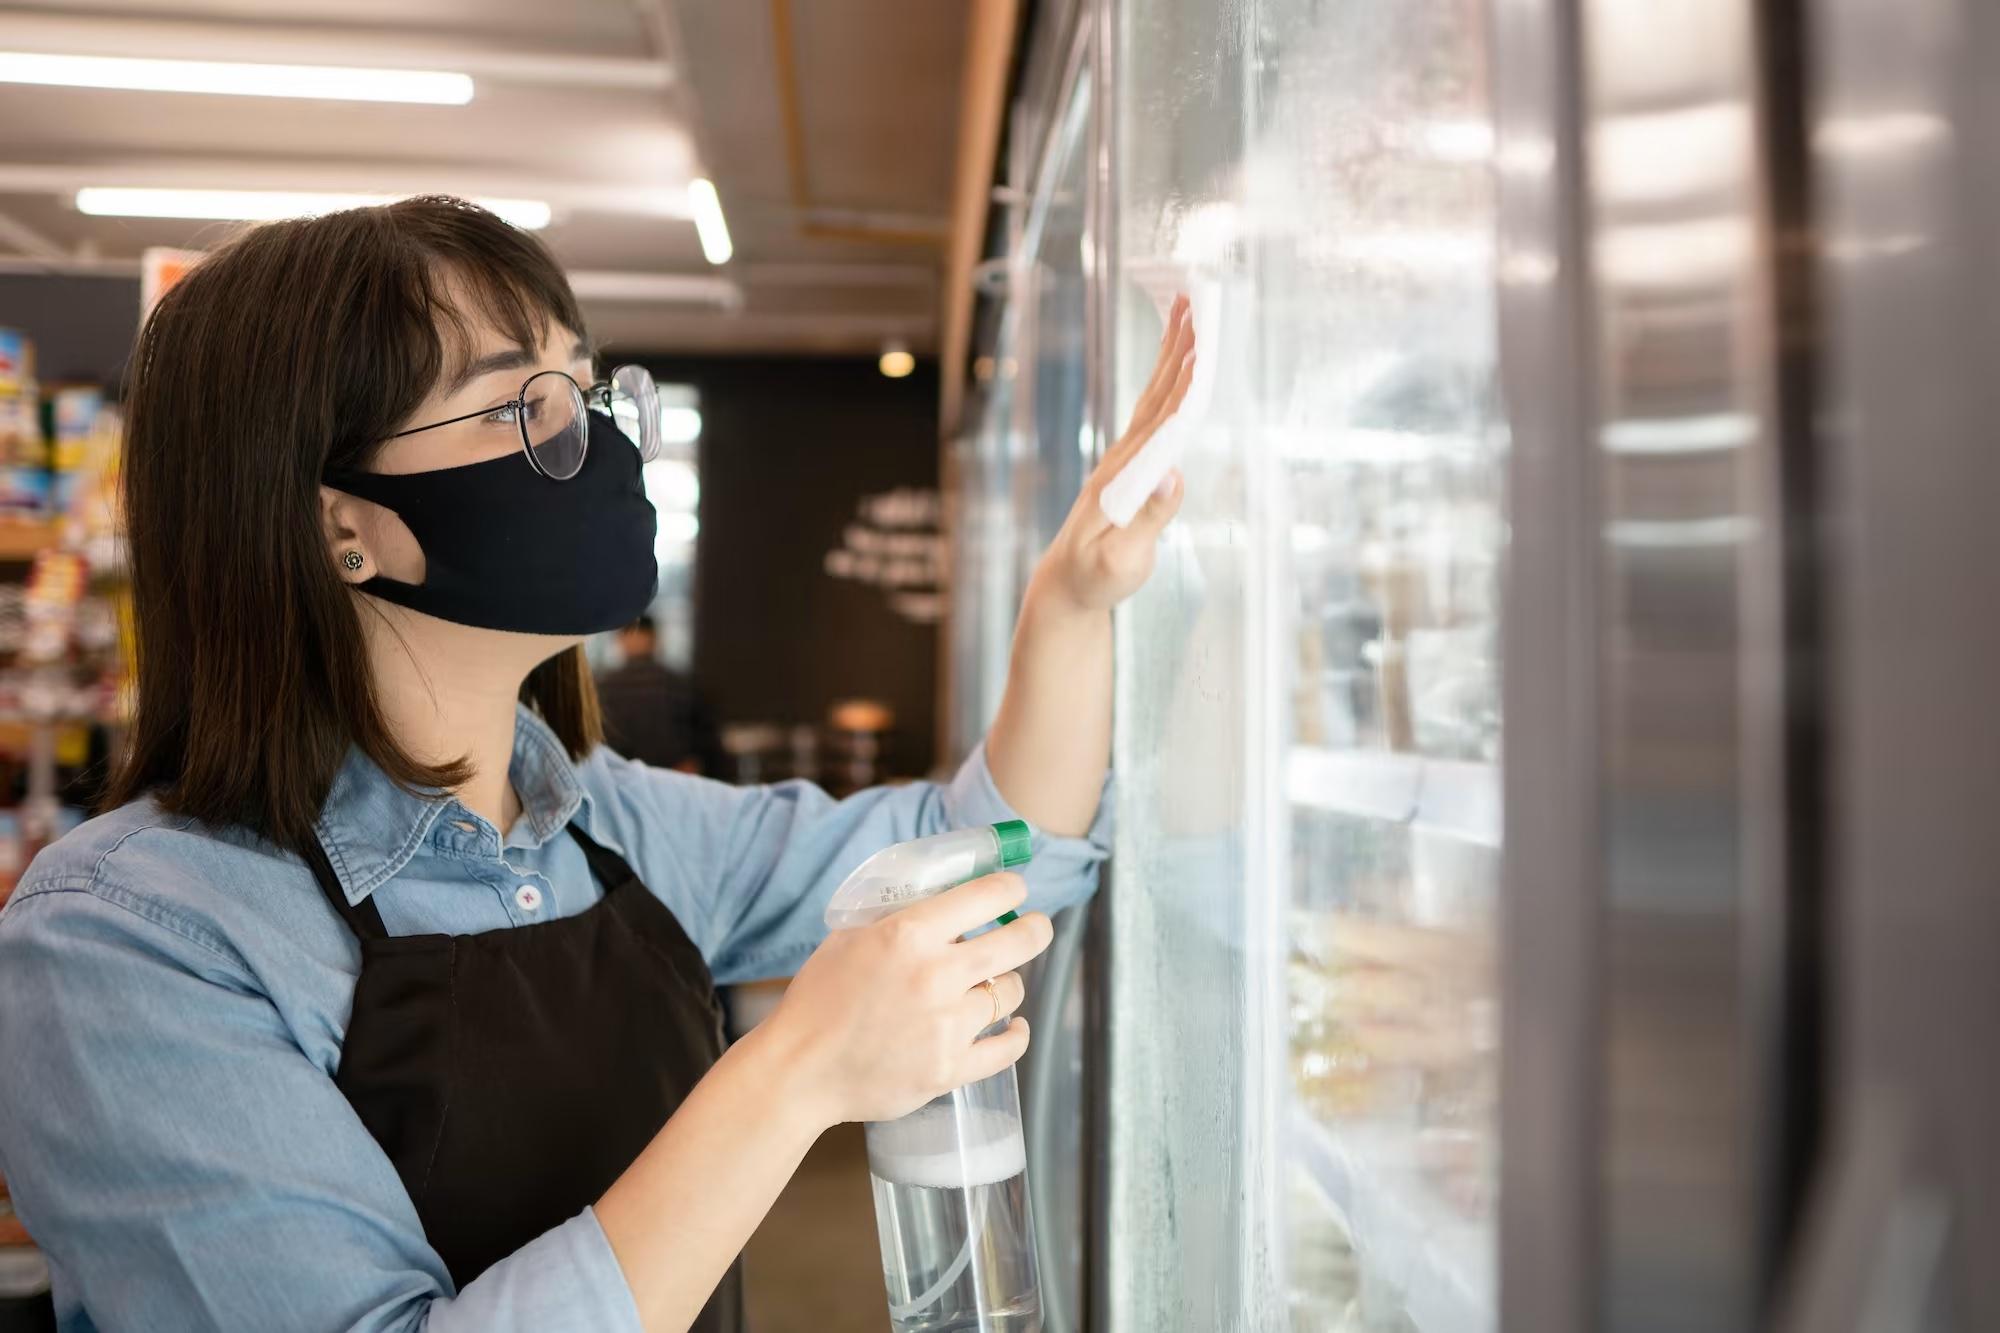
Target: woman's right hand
{"type": "Point", "coordinates": [885, 1017]}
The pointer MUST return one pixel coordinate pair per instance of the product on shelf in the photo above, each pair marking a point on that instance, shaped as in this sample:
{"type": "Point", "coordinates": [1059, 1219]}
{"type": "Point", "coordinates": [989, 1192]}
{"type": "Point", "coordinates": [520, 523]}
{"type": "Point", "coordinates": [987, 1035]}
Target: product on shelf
{"type": "Point", "coordinates": [63, 617]}
{"type": "Point", "coordinates": [23, 455]}
{"type": "Point", "coordinates": [59, 448]}
{"type": "Point", "coordinates": [17, 361]}
{"type": "Point", "coordinates": [13, 852]}
{"type": "Point", "coordinates": [56, 587]}
{"type": "Point", "coordinates": [75, 417]}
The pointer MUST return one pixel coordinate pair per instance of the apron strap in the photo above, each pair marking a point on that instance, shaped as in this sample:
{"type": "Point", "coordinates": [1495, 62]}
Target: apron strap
{"type": "Point", "coordinates": [362, 918]}
{"type": "Point", "coordinates": [608, 867]}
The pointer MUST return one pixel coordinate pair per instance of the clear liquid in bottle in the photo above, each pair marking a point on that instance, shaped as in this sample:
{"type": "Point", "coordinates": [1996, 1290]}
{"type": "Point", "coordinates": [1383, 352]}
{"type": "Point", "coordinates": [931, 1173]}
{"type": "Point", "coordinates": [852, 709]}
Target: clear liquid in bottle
{"type": "Point", "coordinates": [951, 1208]}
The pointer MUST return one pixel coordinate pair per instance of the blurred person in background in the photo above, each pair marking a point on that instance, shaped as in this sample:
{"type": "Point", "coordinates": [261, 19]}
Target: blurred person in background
{"type": "Point", "coordinates": [281, 1055]}
{"type": "Point", "coordinates": [652, 712]}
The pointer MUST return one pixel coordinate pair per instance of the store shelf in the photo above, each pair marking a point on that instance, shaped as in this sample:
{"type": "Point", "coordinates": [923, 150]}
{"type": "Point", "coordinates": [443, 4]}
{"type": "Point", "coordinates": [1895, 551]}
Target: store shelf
{"type": "Point", "coordinates": [1406, 1238]}
{"type": "Point", "coordinates": [1454, 797]}
{"type": "Point", "coordinates": [26, 538]}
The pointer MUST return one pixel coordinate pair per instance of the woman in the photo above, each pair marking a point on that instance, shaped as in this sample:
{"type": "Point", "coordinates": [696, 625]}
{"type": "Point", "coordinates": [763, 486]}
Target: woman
{"type": "Point", "coordinates": [384, 997]}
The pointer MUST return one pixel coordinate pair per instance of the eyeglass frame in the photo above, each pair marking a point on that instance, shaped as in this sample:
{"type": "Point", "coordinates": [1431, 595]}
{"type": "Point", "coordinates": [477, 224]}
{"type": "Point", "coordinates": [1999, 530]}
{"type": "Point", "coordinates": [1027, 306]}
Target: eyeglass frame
{"type": "Point", "coordinates": [519, 403]}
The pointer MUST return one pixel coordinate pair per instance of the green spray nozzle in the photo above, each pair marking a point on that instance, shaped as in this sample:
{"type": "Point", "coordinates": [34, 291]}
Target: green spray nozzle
{"type": "Point", "coordinates": [1017, 848]}
{"type": "Point", "coordinates": [1017, 843]}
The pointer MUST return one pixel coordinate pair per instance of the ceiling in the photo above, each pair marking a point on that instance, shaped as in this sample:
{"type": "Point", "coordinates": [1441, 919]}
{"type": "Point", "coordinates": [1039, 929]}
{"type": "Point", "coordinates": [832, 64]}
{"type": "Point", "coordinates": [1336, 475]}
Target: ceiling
{"type": "Point", "coordinates": [828, 126]}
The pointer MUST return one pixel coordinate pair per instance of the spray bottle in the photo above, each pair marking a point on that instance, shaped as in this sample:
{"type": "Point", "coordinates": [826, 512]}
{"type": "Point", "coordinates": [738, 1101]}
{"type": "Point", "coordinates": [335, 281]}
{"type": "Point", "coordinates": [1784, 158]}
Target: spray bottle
{"type": "Point", "coordinates": [950, 1178]}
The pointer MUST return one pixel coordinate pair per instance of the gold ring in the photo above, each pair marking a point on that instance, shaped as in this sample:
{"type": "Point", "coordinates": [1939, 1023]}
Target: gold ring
{"type": "Point", "coordinates": [994, 996]}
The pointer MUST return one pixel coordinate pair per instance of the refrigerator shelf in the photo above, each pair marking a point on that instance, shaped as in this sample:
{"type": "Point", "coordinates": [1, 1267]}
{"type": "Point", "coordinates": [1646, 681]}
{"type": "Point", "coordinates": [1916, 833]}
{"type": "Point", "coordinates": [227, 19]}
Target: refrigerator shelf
{"type": "Point", "coordinates": [1439, 1265]}
{"type": "Point", "coordinates": [1454, 797]}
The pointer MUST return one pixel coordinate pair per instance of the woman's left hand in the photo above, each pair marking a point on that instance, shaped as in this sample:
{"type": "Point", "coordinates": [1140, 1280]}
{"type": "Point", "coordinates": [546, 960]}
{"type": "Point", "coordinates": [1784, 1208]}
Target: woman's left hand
{"type": "Point", "coordinates": [1093, 564]}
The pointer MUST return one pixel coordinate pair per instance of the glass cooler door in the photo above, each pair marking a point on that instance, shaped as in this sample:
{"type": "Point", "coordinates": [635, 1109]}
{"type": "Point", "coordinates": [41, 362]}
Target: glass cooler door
{"type": "Point", "coordinates": [1302, 994]}
{"type": "Point", "coordinates": [1027, 443]}
{"type": "Point", "coordinates": [984, 540]}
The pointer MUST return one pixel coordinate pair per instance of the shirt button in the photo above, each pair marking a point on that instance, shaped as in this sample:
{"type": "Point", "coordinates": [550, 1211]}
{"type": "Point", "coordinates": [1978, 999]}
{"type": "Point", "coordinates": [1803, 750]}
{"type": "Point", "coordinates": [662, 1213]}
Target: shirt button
{"type": "Point", "coordinates": [528, 897]}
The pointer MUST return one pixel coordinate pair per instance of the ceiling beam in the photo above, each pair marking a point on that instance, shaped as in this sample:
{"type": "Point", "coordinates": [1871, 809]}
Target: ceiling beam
{"type": "Point", "coordinates": [859, 330]}
{"type": "Point", "coordinates": [71, 266]}
{"type": "Point", "coordinates": [828, 332]}
{"type": "Point", "coordinates": [821, 220]}
{"type": "Point", "coordinates": [288, 44]}
{"type": "Point", "coordinates": [725, 323]}
{"type": "Point", "coordinates": [807, 274]}
{"type": "Point", "coordinates": [29, 243]}
{"type": "Point", "coordinates": [655, 288]}
{"type": "Point", "coordinates": [989, 49]}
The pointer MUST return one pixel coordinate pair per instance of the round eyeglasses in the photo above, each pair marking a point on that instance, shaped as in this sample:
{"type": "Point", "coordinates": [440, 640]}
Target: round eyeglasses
{"type": "Point", "coordinates": [551, 417]}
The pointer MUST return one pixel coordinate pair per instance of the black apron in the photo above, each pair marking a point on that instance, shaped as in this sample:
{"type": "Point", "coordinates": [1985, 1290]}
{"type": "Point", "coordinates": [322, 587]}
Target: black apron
{"type": "Point", "coordinates": [512, 1075]}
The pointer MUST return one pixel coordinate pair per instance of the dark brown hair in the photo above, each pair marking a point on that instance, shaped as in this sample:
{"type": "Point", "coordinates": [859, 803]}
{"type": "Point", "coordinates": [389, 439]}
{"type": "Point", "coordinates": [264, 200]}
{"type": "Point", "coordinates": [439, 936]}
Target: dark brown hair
{"type": "Point", "coordinates": [299, 346]}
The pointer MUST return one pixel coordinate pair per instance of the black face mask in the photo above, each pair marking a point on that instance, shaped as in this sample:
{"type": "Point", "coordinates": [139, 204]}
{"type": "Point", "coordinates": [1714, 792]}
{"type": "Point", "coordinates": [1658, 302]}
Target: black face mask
{"type": "Point", "coordinates": [506, 548]}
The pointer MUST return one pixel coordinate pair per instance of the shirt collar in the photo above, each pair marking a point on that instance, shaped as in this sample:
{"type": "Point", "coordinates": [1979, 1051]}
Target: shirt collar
{"type": "Point", "coordinates": [370, 826]}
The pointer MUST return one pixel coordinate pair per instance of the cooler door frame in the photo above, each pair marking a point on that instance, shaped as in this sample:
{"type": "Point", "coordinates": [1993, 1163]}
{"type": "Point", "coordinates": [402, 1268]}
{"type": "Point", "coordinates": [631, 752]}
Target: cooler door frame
{"type": "Point", "coordinates": [1905, 131]}
{"type": "Point", "coordinates": [1658, 916]}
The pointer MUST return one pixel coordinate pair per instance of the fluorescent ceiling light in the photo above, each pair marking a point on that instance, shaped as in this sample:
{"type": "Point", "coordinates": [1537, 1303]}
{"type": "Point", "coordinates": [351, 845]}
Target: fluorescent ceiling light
{"type": "Point", "coordinates": [708, 223]}
{"type": "Point", "coordinates": [269, 205]}
{"type": "Point", "coordinates": [429, 86]}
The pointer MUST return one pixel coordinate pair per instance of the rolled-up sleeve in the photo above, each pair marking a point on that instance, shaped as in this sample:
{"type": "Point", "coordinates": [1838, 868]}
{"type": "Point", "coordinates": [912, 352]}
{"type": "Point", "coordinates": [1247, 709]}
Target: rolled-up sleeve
{"type": "Point", "coordinates": [750, 869]}
{"type": "Point", "coordinates": [182, 1160]}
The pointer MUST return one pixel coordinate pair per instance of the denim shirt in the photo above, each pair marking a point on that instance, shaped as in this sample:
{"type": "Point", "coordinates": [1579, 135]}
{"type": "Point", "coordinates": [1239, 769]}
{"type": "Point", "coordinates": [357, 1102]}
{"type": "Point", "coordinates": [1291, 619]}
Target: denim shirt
{"type": "Point", "coordinates": [173, 999]}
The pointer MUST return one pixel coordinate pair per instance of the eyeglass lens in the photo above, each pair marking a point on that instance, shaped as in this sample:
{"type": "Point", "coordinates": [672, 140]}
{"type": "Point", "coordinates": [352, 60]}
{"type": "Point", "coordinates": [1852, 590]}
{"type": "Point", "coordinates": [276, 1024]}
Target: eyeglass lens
{"type": "Point", "coordinates": [635, 406]}
{"type": "Point", "coordinates": [553, 425]}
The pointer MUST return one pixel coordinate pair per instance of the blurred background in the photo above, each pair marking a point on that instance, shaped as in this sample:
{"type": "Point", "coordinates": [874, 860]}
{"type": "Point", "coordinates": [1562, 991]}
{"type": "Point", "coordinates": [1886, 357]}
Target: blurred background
{"type": "Point", "coordinates": [1553, 885]}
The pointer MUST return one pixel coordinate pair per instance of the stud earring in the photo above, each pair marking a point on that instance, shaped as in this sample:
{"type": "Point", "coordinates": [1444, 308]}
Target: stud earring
{"type": "Point", "coordinates": [352, 560]}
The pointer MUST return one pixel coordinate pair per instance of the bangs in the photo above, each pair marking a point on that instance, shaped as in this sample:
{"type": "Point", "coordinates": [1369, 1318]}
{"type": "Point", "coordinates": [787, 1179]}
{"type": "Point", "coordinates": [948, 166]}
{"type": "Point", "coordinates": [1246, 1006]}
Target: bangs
{"type": "Point", "coordinates": [465, 304]}
{"type": "Point", "coordinates": [455, 272]}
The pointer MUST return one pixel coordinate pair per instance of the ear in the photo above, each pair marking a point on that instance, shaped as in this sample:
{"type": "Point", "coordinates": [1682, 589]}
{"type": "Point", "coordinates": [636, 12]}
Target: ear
{"type": "Point", "coordinates": [337, 512]}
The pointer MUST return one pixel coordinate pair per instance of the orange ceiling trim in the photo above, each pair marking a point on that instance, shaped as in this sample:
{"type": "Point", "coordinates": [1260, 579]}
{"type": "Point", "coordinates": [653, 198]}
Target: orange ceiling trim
{"type": "Point", "coordinates": [991, 28]}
